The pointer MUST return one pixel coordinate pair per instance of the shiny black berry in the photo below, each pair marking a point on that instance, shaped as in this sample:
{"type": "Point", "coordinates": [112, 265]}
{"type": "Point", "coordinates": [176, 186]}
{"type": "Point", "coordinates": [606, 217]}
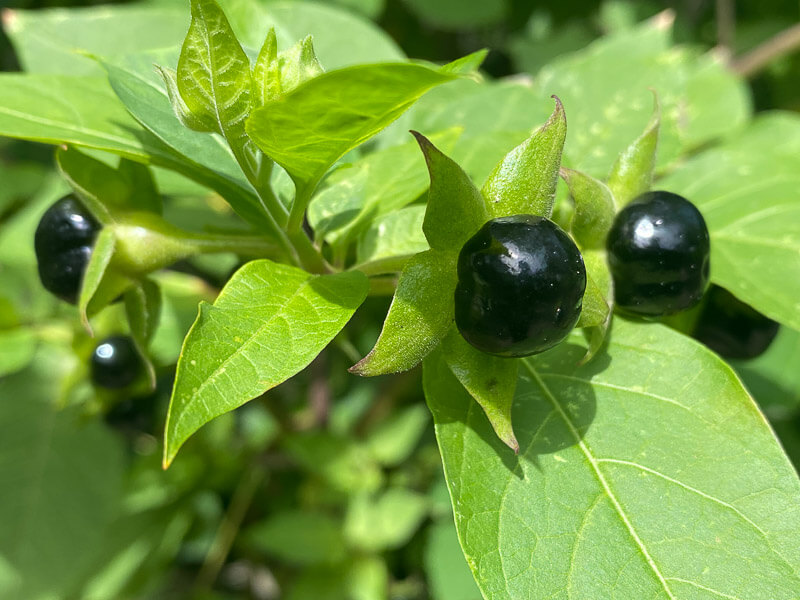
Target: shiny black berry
{"type": "Point", "coordinates": [63, 244]}
{"type": "Point", "coordinates": [115, 363]}
{"type": "Point", "coordinates": [731, 328]}
{"type": "Point", "coordinates": [520, 286]}
{"type": "Point", "coordinates": [658, 253]}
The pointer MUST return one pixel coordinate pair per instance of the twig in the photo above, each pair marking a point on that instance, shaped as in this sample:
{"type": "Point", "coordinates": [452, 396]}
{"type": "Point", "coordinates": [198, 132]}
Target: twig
{"type": "Point", "coordinates": [229, 527]}
{"type": "Point", "coordinates": [726, 24]}
{"type": "Point", "coordinates": [783, 43]}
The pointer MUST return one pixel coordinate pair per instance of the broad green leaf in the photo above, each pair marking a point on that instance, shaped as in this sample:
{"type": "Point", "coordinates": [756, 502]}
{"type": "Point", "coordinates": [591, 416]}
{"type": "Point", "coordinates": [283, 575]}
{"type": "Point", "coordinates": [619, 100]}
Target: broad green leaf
{"type": "Point", "coordinates": [57, 41]}
{"type": "Point", "coordinates": [490, 380]}
{"type": "Point", "coordinates": [362, 578]}
{"type": "Point", "coordinates": [343, 464]}
{"type": "Point", "coordinates": [299, 537]}
{"type": "Point", "coordinates": [179, 107]}
{"type": "Point", "coordinates": [393, 440]}
{"type": "Point", "coordinates": [391, 240]}
{"type": "Point", "coordinates": [524, 182]}
{"type": "Point", "coordinates": [297, 65]}
{"type": "Point", "coordinates": [594, 209]}
{"type": "Point", "coordinates": [17, 347]}
{"type": "Point", "coordinates": [267, 71]}
{"type": "Point", "coordinates": [647, 473]}
{"type": "Point", "coordinates": [467, 64]}
{"type": "Point", "coordinates": [456, 209]}
{"type": "Point", "coordinates": [214, 77]}
{"type": "Point", "coordinates": [632, 173]}
{"type": "Point", "coordinates": [386, 521]}
{"type": "Point", "coordinates": [60, 512]}
{"type": "Point", "coordinates": [747, 192]}
{"type": "Point", "coordinates": [605, 87]}
{"type": "Point", "coordinates": [83, 111]}
{"type": "Point", "coordinates": [310, 128]}
{"type": "Point", "coordinates": [267, 324]}
{"type": "Point", "coordinates": [419, 316]}
{"type": "Point", "coordinates": [448, 576]}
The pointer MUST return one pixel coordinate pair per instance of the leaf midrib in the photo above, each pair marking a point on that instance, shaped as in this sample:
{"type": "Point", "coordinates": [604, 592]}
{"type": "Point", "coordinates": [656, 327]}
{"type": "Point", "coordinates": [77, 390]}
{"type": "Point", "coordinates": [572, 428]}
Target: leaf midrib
{"type": "Point", "coordinates": [601, 478]}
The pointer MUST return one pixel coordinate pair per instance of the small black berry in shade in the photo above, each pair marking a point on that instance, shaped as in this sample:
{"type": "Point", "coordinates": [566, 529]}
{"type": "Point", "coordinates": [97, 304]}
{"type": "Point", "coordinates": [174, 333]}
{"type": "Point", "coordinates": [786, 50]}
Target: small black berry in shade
{"type": "Point", "coordinates": [520, 286]}
{"type": "Point", "coordinates": [658, 252]}
{"type": "Point", "coordinates": [63, 243]}
{"type": "Point", "coordinates": [732, 328]}
{"type": "Point", "coordinates": [115, 363]}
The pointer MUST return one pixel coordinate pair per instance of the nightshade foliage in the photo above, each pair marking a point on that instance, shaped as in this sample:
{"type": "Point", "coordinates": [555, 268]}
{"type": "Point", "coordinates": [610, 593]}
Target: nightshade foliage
{"type": "Point", "coordinates": [269, 152]}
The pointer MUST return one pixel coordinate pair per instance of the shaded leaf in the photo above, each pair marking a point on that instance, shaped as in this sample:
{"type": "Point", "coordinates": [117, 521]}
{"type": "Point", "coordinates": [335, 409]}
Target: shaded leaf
{"type": "Point", "coordinates": [17, 347]}
{"type": "Point", "coordinates": [299, 538]}
{"type": "Point", "coordinates": [101, 256]}
{"type": "Point", "coordinates": [267, 324]}
{"type": "Point", "coordinates": [419, 316]}
{"type": "Point", "coordinates": [490, 380]}
{"type": "Point", "coordinates": [393, 440]}
{"type": "Point", "coordinates": [524, 182]}
{"type": "Point", "coordinates": [386, 521]}
{"type": "Point", "coordinates": [391, 240]}
{"type": "Point", "coordinates": [448, 575]}
{"type": "Point", "coordinates": [598, 302]}
{"type": "Point", "coordinates": [143, 310]}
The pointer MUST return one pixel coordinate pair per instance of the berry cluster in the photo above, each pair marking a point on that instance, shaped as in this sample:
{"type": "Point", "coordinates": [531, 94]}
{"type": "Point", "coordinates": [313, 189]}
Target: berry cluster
{"type": "Point", "coordinates": [63, 244]}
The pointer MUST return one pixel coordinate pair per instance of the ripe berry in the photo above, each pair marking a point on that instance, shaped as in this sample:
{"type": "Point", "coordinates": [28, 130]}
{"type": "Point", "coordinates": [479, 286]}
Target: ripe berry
{"type": "Point", "coordinates": [115, 362]}
{"type": "Point", "coordinates": [658, 253]}
{"type": "Point", "coordinates": [63, 244]}
{"type": "Point", "coordinates": [731, 328]}
{"type": "Point", "coordinates": [520, 287]}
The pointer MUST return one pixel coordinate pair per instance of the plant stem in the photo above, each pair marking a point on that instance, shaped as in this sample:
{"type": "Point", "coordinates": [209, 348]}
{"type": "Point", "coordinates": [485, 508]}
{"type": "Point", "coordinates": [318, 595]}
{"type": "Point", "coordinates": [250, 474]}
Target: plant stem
{"type": "Point", "coordinates": [726, 24]}
{"type": "Point", "coordinates": [229, 527]}
{"type": "Point", "coordinates": [783, 43]}
{"type": "Point", "coordinates": [301, 200]}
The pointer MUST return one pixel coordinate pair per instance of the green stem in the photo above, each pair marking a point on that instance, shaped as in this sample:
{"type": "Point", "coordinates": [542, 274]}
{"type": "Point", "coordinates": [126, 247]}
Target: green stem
{"type": "Point", "coordinates": [229, 527]}
{"type": "Point", "coordinates": [301, 200]}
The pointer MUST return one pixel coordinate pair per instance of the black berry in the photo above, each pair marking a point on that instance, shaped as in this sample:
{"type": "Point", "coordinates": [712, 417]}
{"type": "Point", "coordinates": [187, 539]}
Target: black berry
{"type": "Point", "coordinates": [520, 287]}
{"type": "Point", "coordinates": [731, 328]}
{"type": "Point", "coordinates": [63, 244]}
{"type": "Point", "coordinates": [115, 363]}
{"type": "Point", "coordinates": [658, 253]}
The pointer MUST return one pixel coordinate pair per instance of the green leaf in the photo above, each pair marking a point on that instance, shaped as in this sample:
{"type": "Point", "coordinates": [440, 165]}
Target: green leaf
{"type": "Point", "coordinates": [747, 192]}
{"type": "Point", "coordinates": [346, 466]}
{"type": "Point", "coordinates": [267, 71]}
{"type": "Point", "coordinates": [58, 41]}
{"type": "Point", "coordinates": [419, 316]}
{"type": "Point", "coordinates": [214, 76]}
{"type": "Point", "coordinates": [524, 182]}
{"type": "Point", "coordinates": [384, 522]}
{"type": "Point", "coordinates": [298, 64]}
{"type": "Point", "coordinates": [269, 322]}
{"type": "Point", "coordinates": [459, 14]}
{"type": "Point", "coordinates": [632, 173]}
{"type": "Point", "coordinates": [17, 347]}
{"type": "Point", "coordinates": [61, 512]}
{"type": "Point", "coordinates": [594, 209]}
{"type": "Point", "coordinates": [466, 64]}
{"type": "Point", "coordinates": [391, 240]}
{"type": "Point", "coordinates": [179, 107]}
{"type": "Point", "coordinates": [143, 310]}
{"type": "Point", "coordinates": [393, 440]}
{"type": "Point", "coordinates": [456, 210]}
{"type": "Point", "coordinates": [449, 577]}
{"type": "Point", "coordinates": [299, 538]}
{"type": "Point", "coordinates": [605, 87]}
{"type": "Point", "coordinates": [310, 128]}
{"type": "Point", "coordinates": [688, 496]}
{"type": "Point", "coordinates": [490, 380]}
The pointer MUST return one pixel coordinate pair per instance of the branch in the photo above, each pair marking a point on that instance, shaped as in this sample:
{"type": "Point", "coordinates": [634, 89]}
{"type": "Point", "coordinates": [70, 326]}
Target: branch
{"type": "Point", "coordinates": [783, 43]}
